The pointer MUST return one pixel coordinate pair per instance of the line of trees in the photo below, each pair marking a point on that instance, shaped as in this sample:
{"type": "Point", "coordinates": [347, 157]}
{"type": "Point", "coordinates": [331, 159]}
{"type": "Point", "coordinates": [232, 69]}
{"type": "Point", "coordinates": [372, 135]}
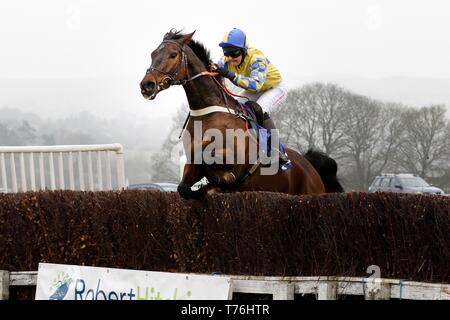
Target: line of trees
{"type": "Point", "coordinates": [364, 135]}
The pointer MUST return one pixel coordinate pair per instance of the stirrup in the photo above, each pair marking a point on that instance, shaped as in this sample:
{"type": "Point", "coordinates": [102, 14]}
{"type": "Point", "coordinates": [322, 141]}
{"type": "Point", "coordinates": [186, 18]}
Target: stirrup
{"type": "Point", "coordinates": [285, 163]}
{"type": "Point", "coordinates": [283, 157]}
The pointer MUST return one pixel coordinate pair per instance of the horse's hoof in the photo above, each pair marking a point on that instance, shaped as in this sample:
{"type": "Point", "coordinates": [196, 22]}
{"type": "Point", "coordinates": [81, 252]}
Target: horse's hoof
{"type": "Point", "coordinates": [199, 194]}
{"type": "Point", "coordinates": [186, 193]}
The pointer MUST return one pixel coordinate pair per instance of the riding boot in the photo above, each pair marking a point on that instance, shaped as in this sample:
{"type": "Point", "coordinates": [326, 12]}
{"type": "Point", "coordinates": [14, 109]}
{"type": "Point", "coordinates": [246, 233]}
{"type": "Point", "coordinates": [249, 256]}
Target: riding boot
{"type": "Point", "coordinates": [268, 124]}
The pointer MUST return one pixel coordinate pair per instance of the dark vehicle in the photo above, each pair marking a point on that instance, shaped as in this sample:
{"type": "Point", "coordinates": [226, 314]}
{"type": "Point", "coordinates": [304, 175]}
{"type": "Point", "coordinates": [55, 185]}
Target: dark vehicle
{"type": "Point", "coordinates": [161, 186]}
{"type": "Point", "coordinates": [403, 182]}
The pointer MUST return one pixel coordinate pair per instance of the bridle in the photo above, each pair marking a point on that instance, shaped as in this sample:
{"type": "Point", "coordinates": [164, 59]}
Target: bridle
{"type": "Point", "coordinates": [169, 79]}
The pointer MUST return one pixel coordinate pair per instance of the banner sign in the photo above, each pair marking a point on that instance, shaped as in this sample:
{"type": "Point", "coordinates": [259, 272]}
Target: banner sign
{"type": "Point", "coordinates": [68, 282]}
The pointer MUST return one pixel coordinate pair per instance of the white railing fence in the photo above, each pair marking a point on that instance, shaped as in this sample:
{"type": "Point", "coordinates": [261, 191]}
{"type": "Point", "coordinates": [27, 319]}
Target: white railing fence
{"type": "Point", "coordinates": [70, 167]}
{"type": "Point", "coordinates": [285, 288]}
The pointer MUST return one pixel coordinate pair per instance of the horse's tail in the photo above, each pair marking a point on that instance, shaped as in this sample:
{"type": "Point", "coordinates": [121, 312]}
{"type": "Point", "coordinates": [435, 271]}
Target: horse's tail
{"type": "Point", "coordinates": [327, 169]}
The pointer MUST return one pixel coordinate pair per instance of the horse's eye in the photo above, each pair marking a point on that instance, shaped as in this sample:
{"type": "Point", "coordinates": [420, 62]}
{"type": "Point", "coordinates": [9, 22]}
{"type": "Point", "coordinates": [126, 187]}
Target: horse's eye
{"type": "Point", "coordinates": [173, 55]}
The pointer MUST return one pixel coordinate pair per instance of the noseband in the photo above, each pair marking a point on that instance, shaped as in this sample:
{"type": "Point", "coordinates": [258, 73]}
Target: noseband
{"type": "Point", "coordinates": [170, 79]}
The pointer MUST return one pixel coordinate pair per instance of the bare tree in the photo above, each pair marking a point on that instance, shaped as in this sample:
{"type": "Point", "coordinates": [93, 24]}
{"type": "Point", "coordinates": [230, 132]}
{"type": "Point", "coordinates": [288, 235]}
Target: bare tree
{"type": "Point", "coordinates": [312, 118]}
{"type": "Point", "coordinates": [8, 136]}
{"type": "Point", "coordinates": [164, 168]}
{"type": "Point", "coordinates": [369, 137]}
{"type": "Point", "coordinates": [298, 119]}
{"type": "Point", "coordinates": [426, 145]}
{"type": "Point", "coordinates": [331, 100]}
{"type": "Point", "coordinates": [391, 132]}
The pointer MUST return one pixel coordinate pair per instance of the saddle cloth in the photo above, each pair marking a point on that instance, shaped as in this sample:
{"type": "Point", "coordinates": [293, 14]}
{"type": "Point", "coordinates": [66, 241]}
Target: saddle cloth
{"type": "Point", "coordinates": [254, 115]}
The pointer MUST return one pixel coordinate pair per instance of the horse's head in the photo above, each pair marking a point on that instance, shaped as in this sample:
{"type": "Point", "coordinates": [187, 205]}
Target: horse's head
{"type": "Point", "coordinates": [169, 66]}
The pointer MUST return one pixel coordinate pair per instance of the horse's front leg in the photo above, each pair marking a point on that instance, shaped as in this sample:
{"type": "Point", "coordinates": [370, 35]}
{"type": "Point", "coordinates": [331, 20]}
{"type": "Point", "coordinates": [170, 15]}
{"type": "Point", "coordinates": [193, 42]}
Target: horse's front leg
{"type": "Point", "coordinates": [192, 173]}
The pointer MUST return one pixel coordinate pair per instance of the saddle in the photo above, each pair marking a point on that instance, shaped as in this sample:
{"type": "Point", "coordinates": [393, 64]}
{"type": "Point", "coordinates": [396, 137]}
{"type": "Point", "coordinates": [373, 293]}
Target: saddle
{"type": "Point", "coordinates": [255, 116]}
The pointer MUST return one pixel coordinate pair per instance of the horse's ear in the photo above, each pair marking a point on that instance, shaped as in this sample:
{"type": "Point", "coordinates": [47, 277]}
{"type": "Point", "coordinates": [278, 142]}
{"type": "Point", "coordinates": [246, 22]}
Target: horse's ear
{"type": "Point", "coordinates": [187, 38]}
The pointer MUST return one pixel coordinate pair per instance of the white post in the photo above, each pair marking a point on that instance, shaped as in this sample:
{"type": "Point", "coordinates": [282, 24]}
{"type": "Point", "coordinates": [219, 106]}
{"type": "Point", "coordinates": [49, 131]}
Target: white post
{"type": "Point", "coordinates": [108, 171]}
{"type": "Point", "coordinates": [375, 289]}
{"type": "Point", "coordinates": [32, 172]}
{"type": "Point", "coordinates": [52, 172]}
{"type": "Point", "coordinates": [283, 291]}
{"type": "Point", "coordinates": [4, 178]}
{"type": "Point", "coordinates": [4, 285]}
{"type": "Point", "coordinates": [61, 171]}
{"type": "Point", "coordinates": [71, 175]}
{"type": "Point", "coordinates": [80, 171]}
{"type": "Point", "coordinates": [90, 172]}
{"type": "Point", "coordinates": [23, 178]}
{"type": "Point", "coordinates": [13, 173]}
{"type": "Point", "coordinates": [99, 171]}
{"type": "Point", "coordinates": [327, 291]}
{"type": "Point", "coordinates": [120, 171]}
{"type": "Point", "coordinates": [42, 170]}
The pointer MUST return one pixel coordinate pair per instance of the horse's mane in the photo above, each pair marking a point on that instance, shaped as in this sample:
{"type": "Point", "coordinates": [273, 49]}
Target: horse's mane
{"type": "Point", "coordinates": [197, 47]}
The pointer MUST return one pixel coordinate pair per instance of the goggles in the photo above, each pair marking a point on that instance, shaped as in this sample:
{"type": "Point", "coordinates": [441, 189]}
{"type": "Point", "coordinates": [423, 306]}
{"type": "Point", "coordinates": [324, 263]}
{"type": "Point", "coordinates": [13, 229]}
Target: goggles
{"type": "Point", "coordinates": [233, 53]}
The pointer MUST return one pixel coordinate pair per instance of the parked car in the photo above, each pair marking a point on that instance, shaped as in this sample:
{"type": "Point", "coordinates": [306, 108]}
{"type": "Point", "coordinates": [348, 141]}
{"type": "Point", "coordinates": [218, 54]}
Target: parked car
{"type": "Point", "coordinates": [403, 182]}
{"type": "Point", "coordinates": [161, 186]}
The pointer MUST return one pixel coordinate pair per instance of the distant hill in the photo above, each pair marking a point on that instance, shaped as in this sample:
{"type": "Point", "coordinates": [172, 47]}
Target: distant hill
{"type": "Point", "coordinates": [36, 100]}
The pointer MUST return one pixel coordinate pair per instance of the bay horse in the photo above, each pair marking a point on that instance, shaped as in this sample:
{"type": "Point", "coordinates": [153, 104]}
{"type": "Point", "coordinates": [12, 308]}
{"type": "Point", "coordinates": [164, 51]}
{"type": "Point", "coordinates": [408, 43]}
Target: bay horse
{"type": "Point", "coordinates": [179, 60]}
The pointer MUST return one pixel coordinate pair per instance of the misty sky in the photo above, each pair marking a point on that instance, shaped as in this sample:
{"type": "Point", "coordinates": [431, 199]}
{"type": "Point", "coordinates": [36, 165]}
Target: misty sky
{"type": "Point", "coordinates": [101, 39]}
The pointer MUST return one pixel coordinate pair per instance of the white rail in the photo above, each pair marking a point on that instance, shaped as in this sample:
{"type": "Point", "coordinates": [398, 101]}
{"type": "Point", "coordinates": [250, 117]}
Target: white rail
{"type": "Point", "coordinates": [285, 288]}
{"type": "Point", "coordinates": [66, 158]}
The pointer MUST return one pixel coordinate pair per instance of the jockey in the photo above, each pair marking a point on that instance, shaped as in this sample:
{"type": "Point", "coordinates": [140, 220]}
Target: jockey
{"type": "Point", "coordinates": [248, 68]}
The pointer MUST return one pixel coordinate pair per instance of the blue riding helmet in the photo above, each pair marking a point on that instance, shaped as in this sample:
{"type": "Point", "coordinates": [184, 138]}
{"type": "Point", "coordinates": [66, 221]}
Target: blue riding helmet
{"type": "Point", "coordinates": [235, 38]}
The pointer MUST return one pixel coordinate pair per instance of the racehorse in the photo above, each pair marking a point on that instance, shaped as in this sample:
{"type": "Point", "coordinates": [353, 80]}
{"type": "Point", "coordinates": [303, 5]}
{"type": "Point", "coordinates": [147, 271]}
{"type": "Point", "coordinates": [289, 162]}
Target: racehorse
{"type": "Point", "coordinates": [180, 60]}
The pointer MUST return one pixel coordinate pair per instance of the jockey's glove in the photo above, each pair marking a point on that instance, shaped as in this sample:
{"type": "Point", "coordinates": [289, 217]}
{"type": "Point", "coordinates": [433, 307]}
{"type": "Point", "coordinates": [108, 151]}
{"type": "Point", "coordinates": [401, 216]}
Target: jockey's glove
{"type": "Point", "coordinates": [226, 73]}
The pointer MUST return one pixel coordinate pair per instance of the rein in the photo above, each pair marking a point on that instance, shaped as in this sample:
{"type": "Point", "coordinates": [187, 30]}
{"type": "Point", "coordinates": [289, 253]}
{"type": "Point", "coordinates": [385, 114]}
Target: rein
{"type": "Point", "coordinates": [170, 79]}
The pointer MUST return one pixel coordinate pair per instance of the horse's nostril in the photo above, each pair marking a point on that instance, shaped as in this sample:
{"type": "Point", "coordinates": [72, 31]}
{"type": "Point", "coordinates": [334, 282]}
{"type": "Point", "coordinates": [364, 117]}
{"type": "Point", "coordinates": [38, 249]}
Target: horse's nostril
{"type": "Point", "coordinates": [149, 86]}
